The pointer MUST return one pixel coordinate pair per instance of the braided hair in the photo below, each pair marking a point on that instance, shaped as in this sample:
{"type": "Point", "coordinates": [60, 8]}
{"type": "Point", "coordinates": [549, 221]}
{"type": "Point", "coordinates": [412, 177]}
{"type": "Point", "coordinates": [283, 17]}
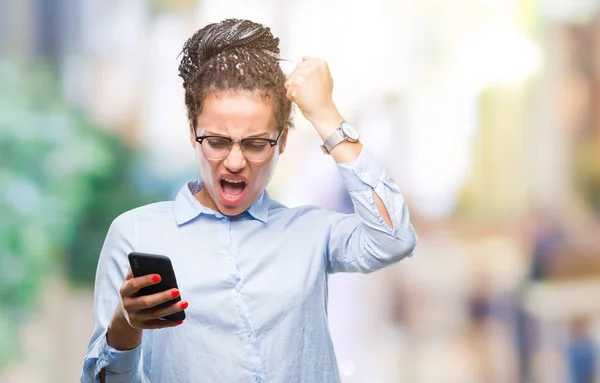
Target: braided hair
{"type": "Point", "coordinates": [233, 55]}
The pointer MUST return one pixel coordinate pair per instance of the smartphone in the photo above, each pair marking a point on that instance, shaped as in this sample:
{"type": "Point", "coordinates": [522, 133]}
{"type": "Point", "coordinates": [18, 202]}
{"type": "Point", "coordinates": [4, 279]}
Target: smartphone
{"type": "Point", "coordinates": [144, 264]}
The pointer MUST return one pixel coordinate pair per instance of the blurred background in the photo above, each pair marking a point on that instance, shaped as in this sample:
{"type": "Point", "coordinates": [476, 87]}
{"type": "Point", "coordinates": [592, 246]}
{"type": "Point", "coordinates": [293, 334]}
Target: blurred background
{"type": "Point", "coordinates": [486, 112]}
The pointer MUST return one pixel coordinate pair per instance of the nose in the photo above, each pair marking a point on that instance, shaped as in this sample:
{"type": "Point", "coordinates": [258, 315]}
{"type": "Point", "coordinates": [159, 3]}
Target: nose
{"type": "Point", "coordinates": [235, 161]}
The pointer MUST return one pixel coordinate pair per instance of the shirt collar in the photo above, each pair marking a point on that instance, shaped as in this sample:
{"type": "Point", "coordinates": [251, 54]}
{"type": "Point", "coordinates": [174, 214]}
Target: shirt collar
{"type": "Point", "coordinates": [186, 206]}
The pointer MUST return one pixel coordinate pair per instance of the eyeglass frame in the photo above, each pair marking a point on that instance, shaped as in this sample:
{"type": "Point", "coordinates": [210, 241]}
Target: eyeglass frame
{"type": "Point", "coordinates": [240, 141]}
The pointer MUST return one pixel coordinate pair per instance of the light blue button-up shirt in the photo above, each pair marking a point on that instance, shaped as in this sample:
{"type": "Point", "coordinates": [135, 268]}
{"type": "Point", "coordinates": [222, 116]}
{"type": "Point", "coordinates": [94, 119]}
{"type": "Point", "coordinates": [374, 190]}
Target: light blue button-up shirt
{"type": "Point", "coordinates": [256, 283]}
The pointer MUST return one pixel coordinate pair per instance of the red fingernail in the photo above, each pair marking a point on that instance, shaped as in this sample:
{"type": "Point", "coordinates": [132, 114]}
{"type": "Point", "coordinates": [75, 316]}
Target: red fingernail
{"type": "Point", "coordinates": [175, 293]}
{"type": "Point", "coordinates": [156, 278]}
{"type": "Point", "coordinates": [179, 322]}
{"type": "Point", "coordinates": [184, 305]}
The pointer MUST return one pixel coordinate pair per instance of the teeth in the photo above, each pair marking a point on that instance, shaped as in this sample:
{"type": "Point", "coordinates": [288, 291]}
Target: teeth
{"type": "Point", "coordinates": [233, 181]}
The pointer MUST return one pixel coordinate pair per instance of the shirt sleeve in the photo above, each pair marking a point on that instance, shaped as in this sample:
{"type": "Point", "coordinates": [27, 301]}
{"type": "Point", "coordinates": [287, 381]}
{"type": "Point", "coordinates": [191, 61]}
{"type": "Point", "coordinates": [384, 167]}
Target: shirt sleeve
{"type": "Point", "coordinates": [364, 242]}
{"type": "Point", "coordinates": [120, 366]}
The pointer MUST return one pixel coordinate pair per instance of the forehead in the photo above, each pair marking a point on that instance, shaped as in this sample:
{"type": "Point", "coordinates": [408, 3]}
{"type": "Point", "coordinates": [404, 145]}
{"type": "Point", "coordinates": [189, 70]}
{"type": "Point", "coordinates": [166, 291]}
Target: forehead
{"type": "Point", "coordinates": [237, 114]}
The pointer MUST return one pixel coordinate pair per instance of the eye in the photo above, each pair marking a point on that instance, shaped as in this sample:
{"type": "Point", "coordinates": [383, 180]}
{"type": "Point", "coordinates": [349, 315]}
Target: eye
{"type": "Point", "coordinates": [256, 144]}
{"type": "Point", "coordinates": [218, 142]}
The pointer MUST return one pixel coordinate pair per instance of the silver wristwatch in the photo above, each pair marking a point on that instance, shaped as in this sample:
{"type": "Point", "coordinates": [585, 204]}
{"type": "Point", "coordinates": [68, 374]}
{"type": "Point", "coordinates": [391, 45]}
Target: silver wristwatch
{"type": "Point", "coordinates": [345, 132]}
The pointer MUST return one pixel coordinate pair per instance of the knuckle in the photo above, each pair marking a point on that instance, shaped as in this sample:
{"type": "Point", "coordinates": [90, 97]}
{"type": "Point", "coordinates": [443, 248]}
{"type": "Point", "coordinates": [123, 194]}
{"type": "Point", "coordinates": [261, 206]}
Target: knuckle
{"type": "Point", "coordinates": [145, 301]}
{"type": "Point", "coordinates": [126, 289]}
{"type": "Point", "coordinates": [132, 285]}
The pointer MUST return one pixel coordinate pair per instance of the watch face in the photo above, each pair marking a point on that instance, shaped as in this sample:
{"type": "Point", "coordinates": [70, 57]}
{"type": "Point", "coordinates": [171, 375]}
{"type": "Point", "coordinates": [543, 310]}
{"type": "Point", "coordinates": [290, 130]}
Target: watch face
{"type": "Point", "coordinates": [349, 131]}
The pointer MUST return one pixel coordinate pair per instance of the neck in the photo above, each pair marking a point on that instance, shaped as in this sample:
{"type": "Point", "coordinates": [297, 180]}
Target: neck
{"type": "Point", "coordinates": [204, 198]}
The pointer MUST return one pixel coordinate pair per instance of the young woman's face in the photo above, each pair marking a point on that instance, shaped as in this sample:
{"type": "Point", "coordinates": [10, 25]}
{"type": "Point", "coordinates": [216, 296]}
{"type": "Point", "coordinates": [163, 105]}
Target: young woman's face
{"type": "Point", "coordinates": [232, 184]}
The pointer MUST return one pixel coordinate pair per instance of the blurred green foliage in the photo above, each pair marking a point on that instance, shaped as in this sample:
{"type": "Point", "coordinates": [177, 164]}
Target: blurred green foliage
{"type": "Point", "coordinates": [586, 169]}
{"type": "Point", "coordinates": [162, 6]}
{"type": "Point", "coordinates": [62, 181]}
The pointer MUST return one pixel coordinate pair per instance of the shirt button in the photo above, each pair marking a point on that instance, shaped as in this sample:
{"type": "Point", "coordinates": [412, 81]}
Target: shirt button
{"type": "Point", "coordinates": [238, 287]}
{"type": "Point", "coordinates": [257, 379]}
{"type": "Point", "coordinates": [249, 334]}
{"type": "Point", "coordinates": [229, 258]}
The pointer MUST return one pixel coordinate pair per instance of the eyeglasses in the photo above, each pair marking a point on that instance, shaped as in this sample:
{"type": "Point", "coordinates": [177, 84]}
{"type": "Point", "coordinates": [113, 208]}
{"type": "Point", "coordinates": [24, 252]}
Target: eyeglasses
{"type": "Point", "coordinates": [255, 149]}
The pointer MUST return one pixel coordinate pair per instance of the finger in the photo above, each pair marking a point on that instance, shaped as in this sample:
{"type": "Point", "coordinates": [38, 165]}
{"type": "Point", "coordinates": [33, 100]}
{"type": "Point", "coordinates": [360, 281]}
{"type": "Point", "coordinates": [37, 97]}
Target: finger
{"type": "Point", "coordinates": [149, 301]}
{"type": "Point", "coordinates": [290, 83]}
{"type": "Point", "coordinates": [159, 323]}
{"type": "Point", "coordinates": [291, 79]}
{"type": "Point", "coordinates": [307, 58]}
{"type": "Point", "coordinates": [299, 76]}
{"type": "Point", "coordinates": [129, 274]}
{"type": "Point", "coordinates": [132, 286]}
{"type": "Point", "coordinates": [290, 75]}
{"type": "Point", "coordinates": [291, 94]}
{"type": "Point", "coordinates": [302, 66]}
{"type": "Point", "coordinates": [163, 312]}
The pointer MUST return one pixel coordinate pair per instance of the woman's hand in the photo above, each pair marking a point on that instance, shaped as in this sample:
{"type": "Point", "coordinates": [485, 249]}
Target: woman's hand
{"type": "Point", "coordinates": [310, 86]}
{"type": "Point", "coordinates": [137, 313]}
{"type": "Point", "coordinates": [141, 311]}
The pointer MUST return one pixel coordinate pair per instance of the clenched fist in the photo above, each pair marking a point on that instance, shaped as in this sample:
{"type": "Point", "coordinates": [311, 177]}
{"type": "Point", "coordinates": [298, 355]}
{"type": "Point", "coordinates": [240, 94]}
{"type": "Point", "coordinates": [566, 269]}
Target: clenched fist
{"type": "Point", "coordinates": [310, 86]}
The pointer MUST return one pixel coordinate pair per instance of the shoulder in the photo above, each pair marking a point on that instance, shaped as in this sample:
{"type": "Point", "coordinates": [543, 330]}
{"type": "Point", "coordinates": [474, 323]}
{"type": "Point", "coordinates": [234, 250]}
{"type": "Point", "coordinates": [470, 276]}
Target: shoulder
{"type": "Point", "coordinates": [304, 213]}
{"type": "Point", "coordinates": [126, 229]}
{"type": "Point", "coordinates": [154, 211]}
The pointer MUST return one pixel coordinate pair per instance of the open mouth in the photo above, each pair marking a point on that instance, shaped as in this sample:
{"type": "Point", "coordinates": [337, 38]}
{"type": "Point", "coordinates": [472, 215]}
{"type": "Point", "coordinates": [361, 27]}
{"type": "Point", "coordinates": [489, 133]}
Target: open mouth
{"type": "Point", "coordinates": [232, 190]}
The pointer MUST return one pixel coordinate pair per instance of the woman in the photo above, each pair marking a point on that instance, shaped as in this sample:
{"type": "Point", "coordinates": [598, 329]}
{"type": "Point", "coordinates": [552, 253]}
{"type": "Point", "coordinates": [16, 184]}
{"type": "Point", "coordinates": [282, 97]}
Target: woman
{"type": "Point", "coordinates": [252, 273]}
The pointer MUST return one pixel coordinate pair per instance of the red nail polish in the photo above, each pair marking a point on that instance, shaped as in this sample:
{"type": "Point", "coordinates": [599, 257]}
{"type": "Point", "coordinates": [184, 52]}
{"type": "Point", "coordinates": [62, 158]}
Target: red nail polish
{"type": "Point", "coordinates": [175, 293]}
{"type": "Point", "coordinates": [184, 305]}
{"type": "Point", "coordinates": [156, 278]}
{"type": "Point", "coordinates": [179, 322]}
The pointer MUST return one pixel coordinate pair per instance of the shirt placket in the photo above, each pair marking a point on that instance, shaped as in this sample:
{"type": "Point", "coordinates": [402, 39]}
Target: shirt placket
{"type": "Point", "coordinates": [245, 328]}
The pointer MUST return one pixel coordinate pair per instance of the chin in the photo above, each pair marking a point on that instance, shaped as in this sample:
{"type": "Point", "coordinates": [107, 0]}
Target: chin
{"type": "Point", "coordinates": [232, 210]}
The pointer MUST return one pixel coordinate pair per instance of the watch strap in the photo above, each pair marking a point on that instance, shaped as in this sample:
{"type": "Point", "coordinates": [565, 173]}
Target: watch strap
{"type": "Point", "coordinates": [332, 141]}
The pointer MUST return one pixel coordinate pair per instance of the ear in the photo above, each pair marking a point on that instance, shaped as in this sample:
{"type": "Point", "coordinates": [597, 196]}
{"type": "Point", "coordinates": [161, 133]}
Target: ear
{"type": "Point", "coordinates": [192, 135]}
{"type": "Point", "coordinates": [283, 140]}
